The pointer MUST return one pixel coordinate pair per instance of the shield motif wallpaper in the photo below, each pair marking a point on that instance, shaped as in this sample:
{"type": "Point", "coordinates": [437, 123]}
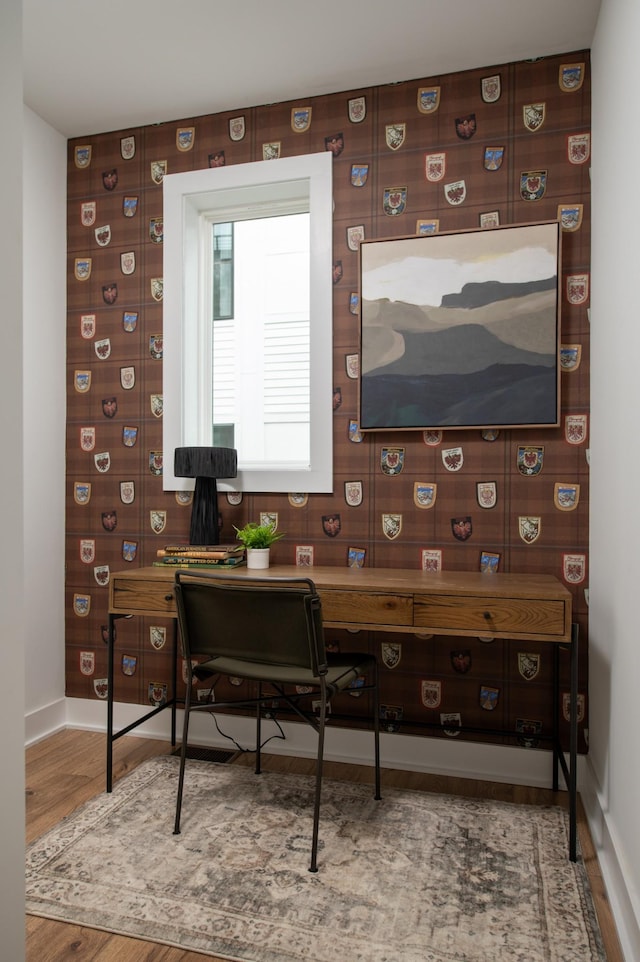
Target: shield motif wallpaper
{"type": "Point", "coordinates": [473, 153]}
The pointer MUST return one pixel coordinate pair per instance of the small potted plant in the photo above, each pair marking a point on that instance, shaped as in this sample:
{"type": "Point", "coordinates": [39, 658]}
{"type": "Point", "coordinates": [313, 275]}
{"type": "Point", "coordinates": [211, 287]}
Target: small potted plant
{"type": "Point", "coordinates": [257, 539]}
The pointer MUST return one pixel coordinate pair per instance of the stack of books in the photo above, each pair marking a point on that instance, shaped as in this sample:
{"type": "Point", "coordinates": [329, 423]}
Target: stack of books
{"type": "Point", "coordinates": [201, 555]}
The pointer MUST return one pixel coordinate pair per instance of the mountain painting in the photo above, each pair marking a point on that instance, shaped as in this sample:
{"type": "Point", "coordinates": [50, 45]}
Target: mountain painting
{"type": "Point", "coordinates": [460, 330]}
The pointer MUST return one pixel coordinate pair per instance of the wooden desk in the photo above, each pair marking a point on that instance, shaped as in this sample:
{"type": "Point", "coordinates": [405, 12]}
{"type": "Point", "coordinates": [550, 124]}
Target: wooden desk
{"type": "Point", "coordinates": [509, 606]}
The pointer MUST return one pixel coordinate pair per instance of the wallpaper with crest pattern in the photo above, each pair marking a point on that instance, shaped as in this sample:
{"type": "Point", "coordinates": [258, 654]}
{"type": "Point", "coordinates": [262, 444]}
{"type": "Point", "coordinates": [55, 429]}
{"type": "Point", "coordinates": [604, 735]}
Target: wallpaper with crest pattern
{"type": "Point", "coordinates": [507, 144]}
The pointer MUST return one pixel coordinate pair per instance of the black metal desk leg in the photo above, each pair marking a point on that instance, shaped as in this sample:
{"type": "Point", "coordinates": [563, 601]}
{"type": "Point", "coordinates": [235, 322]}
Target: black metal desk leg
{"type": "Point", "coordinates": [169, 703]}
{"type": "Point", "coordinates": [110, 644]}
{"type": "Point", "coordinates": [569, 771]}
{"type": "Point", "coordinates": [557, 747]}
{"type": "Point", "coordinates": [573, 744]}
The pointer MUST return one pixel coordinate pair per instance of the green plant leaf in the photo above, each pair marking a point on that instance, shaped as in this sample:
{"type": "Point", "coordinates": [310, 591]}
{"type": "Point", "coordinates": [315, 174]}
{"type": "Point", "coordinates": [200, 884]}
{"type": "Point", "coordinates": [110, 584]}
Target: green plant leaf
{"type": "Point", "coordinates": [254, 535]}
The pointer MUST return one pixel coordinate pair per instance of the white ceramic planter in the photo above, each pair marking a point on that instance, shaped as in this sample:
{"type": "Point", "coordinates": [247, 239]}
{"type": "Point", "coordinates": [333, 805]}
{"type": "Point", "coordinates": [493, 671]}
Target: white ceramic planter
{"type": "Point", "coordinates": [258, 557]}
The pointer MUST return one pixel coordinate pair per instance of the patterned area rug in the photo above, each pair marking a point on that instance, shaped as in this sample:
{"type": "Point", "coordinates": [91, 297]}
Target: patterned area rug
{"type": "Point", "coordinates": [416, 877]}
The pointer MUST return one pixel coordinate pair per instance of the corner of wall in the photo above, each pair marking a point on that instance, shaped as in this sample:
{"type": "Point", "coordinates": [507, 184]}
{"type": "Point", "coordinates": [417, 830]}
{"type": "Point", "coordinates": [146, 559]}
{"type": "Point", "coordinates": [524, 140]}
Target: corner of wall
{"type": "Point", "coordinates": [612, 863]}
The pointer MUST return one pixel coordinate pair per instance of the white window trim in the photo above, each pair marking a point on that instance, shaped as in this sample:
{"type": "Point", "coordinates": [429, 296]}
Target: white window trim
{"type": "Point", "coordinates": [188, 199]}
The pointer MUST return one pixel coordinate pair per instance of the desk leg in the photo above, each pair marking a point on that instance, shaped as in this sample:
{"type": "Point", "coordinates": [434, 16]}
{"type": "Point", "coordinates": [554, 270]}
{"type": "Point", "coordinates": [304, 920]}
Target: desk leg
{"type": "Point", "coordinates": [573, 744]}
{"type": "Point", "coordinates": [111, 736]}
{"type": "Point", "coordinates": [557, 747]}
{"type": "Point", "coordinates": [570, 771]}
{"type": "Point", "coordinates": [110, 644]}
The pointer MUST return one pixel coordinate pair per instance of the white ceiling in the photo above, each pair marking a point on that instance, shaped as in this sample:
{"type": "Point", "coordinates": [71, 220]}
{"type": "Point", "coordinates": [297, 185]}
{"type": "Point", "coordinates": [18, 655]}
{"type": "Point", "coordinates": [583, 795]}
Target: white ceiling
{"type": "Point", "coordinates": [97, 65]}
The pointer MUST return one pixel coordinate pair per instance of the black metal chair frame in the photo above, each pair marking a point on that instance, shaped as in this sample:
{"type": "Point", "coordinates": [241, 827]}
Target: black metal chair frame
{"type": "Point", "coordinates": [268, 630]}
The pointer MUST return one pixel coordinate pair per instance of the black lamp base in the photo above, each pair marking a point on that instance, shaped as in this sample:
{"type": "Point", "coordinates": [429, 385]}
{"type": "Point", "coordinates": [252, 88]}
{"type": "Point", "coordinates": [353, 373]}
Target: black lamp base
{"type": "Point", "coordinates": [205, 517]}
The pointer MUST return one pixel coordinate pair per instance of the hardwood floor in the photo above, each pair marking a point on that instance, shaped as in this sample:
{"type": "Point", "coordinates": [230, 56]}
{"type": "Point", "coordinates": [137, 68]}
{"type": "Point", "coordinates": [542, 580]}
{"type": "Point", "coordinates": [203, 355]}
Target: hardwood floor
{"type": "Point", "coordinates": [69, 768]}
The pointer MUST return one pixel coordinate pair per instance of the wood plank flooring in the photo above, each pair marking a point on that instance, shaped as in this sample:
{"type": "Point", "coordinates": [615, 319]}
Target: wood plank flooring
{"type": "Point", "coordinates": [68, 768]}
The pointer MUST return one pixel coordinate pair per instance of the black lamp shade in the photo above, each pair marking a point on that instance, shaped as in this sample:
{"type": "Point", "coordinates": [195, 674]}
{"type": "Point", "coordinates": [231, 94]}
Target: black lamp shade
{"type": "Point", "coordinates": [205, 465]}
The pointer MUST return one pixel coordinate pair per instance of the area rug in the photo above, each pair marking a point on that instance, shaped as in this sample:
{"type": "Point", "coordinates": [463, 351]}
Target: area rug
{"type": "Point", "coordinates": [415, 877]}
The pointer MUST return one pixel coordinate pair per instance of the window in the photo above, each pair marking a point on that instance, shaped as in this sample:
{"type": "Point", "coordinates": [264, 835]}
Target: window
{"type": "Point", "coordinates": [248, 320]}
{"type": "Point", "coordinates": [259, 362]}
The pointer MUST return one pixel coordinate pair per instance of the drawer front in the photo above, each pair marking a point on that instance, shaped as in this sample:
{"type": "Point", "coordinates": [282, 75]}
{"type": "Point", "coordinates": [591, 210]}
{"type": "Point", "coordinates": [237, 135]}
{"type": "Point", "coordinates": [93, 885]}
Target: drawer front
{"type": "Point", "coordinates": [142, 597]}
{"type": "Point", "coordinates": [490, 616]}
{"type": "Point", "coordinates": [363, 608]}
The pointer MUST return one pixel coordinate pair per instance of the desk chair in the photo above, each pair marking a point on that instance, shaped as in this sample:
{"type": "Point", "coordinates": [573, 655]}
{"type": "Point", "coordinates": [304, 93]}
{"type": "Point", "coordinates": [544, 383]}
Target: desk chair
{"type": "Point", "coordinates": [268, 630]}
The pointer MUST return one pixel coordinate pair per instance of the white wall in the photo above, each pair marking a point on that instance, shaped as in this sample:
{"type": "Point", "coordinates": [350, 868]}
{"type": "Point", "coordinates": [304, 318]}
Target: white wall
{"type": "Point", "coordinates": [11, 494]}
{"type": "Point", "coordinates": [614, 671]}
{"type": "Point", "coordinates": [32, 436]}
{"type": "Point", "coordinates": [44, 304]}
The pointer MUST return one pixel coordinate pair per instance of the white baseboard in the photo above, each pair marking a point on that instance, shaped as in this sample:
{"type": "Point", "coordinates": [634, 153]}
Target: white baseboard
{"type": "Point", "coordinates": [45, 721]}
{"type": "Point", "coordinates": [612, 859]}
{"type": "Point", "coordinates": [440, 756]}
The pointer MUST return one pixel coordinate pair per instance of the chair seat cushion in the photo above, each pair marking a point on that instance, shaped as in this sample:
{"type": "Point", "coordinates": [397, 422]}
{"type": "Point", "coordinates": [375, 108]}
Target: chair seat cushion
{"type": "Point", "coordinates": [343, 669]}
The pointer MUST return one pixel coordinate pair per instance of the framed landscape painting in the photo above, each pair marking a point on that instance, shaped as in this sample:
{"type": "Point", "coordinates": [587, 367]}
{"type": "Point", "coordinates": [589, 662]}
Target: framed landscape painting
{"type": "Point", "coordinates": [461, 330]}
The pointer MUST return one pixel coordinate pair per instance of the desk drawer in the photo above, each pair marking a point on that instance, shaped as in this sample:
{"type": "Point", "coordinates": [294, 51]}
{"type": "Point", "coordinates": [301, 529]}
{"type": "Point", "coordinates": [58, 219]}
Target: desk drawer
{"type": "Point", "coordinates": [134, 596]}
{"type": "Point", "coordinates": [490, 616]}
{"type": "Point", "coordinates": [364, 608]}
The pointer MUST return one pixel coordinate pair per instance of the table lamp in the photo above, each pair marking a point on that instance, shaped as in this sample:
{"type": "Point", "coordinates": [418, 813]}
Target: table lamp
{"type": "Point", "coordinates": [205, 465]}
